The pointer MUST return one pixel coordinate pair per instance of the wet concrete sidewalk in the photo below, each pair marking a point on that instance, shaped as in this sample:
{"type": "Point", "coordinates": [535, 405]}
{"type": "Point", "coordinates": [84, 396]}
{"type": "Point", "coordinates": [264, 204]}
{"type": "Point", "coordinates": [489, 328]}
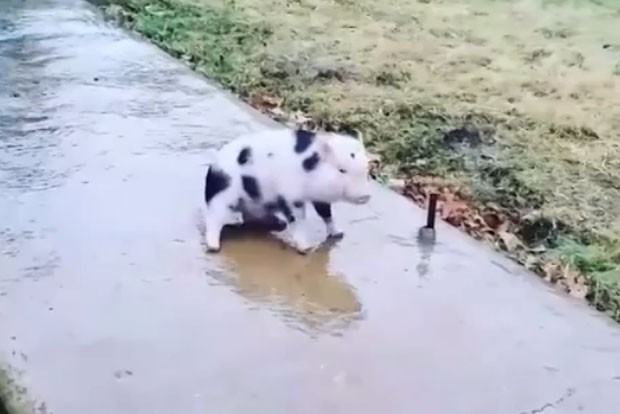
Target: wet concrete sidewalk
{"type": "Point", "coordinates": [108, 303]}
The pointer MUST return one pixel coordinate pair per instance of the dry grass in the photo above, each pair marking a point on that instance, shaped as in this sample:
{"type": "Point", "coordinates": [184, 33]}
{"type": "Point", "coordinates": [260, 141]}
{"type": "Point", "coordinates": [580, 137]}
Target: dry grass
{"type": "Point", "coordinates": [540, 80]}
{"type": "Point", "coordinates": [546, 70]}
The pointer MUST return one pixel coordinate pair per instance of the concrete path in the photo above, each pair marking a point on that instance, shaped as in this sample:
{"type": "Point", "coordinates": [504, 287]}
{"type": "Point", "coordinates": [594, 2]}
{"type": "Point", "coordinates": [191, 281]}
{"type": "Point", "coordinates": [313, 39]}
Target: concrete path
{"type": "Point", "coordinates": [109, 305]}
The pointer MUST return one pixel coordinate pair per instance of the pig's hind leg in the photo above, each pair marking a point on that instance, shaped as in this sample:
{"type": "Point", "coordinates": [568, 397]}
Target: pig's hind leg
{"type": "Point", "coordinates": [220, 199]}
{"type": "Point", "coordinates": [324, 210]}
{"type": "Point", "coordinates": [214, 222]}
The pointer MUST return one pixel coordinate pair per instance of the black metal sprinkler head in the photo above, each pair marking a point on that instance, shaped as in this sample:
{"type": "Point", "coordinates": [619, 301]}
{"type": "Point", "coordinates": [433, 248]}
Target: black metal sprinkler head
{"type": "Point", "coordinates": [427, 233]}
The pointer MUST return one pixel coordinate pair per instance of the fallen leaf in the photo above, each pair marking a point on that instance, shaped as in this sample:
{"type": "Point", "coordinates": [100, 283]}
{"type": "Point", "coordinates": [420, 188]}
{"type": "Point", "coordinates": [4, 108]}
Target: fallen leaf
{"type": "Point", "coordinates": [265, 101]}
{"type": "Point", "coordinates": [372, 157]}
{"type": "Point", "coordinates": [300, 118]}
{"type": "Point", "coordinates": [492, 219]}
{"type": "Point", "coordinates": [510, 242]}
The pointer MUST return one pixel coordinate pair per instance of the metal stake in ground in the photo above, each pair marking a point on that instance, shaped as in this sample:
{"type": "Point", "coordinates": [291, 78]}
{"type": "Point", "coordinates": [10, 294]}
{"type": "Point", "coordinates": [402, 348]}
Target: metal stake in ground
{"type": "Point", "coordinates": [427, 233]}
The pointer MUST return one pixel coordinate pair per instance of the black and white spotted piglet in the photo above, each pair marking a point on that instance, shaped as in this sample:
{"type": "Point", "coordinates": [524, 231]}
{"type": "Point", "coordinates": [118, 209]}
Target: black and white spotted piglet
{"type": "Point", "coordinates": [275, 173]}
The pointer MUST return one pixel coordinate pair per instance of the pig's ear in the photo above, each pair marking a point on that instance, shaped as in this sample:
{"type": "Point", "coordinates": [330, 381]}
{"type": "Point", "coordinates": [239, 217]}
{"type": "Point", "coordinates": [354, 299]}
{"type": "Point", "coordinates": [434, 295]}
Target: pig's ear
{"type": "Point", "coordinates": [360, 137]}
{"type": "Point", "coordinates": [357, 134]}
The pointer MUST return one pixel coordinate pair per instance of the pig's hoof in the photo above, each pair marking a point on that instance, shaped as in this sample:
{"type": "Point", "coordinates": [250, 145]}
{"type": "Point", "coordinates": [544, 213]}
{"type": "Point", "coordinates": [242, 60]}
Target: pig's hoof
{"type": "Point", "coordinates": [337, 235]}
{"type": "Point", "coordinates": [304, 249]}
{"type": "Point", "coordinates": [214, 249]}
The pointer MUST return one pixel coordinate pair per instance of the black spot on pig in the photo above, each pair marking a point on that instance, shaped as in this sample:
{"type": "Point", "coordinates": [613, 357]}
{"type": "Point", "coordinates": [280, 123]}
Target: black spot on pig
{"type": "Point", "coordinates": [216, 181]}
{"type": "Point", "coordinates": [244, 156]}
{"type": "Point", "coordinates": [303, 140]}
{"type": "Point", "coordinates": [324, 210]}
{"type": "Point", "coordinates": [311, 162]}
{"type": "Point", "coordinates": [250, 186]}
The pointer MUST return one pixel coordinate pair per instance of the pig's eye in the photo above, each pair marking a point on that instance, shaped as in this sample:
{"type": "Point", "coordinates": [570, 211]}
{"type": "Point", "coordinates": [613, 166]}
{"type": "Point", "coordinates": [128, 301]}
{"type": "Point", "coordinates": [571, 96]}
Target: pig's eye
{"type": "Point", "coordinates": [353, 155]}
{"type": "Point", "coordinates": [342, 170]}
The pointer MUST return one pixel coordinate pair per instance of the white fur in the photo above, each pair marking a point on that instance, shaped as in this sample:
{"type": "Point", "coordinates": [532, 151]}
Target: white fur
{"type": "Point", "coordinates": [279, 172]}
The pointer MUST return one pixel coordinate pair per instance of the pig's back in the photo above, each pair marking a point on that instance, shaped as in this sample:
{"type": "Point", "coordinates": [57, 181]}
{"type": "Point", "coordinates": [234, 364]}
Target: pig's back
{"type": "Point", "coordinates": [270, 159]}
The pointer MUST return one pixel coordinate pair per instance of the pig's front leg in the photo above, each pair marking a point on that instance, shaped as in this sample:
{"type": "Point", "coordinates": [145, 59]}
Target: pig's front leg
{"type": "Point", "coordinates": [324, 210]}
{"type": "Point", "coordinates": [216, 217]}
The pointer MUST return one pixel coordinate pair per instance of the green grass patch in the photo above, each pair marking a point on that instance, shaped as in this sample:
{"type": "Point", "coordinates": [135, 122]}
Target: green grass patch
{"type": "Point", "coordinates": [13, 398]}
{"type": "Point", "coordinates": [216, 42]}
{"type": "Point", "coordinates": [601, 266]}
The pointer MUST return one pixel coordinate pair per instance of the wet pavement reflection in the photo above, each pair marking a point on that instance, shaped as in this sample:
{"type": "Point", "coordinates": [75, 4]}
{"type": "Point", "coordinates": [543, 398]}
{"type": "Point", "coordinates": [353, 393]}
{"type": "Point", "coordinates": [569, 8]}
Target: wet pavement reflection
{"type": "Point", "coordinates": [302, 290]}
{"type": "Point", "coordinates": [109, 303]}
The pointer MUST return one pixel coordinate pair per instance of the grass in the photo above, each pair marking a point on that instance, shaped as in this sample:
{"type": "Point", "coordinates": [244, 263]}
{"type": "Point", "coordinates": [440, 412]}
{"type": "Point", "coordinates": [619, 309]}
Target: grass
{"type": "Point", "coordinates": [516, 101]}
{"type": "Point", "coordinates": [4, 391]}
{"type": "Point", "coordinates": [14, 398]}
{"type": "Point", "coordinates": [601, 267]}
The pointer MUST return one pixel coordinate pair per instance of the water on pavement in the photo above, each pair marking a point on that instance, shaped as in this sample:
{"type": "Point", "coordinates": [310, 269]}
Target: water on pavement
{"type": "Point", "coordinates": [109, 304]}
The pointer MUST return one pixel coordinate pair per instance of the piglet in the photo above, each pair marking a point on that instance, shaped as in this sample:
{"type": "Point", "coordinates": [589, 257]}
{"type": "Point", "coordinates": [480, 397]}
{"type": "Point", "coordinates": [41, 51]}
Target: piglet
{"type": "Point", "coordinates": [273, 175]}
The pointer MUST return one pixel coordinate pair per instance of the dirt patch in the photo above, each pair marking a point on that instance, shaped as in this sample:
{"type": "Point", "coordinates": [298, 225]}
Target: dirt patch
{"type": "Point", "coordinates": [521, 124]}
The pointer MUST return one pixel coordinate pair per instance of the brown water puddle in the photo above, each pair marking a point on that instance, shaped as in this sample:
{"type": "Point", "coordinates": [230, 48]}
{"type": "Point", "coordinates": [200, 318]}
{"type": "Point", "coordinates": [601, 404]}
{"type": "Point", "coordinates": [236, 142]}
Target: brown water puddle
{"type": "Point", "coordinates": [265, 270]}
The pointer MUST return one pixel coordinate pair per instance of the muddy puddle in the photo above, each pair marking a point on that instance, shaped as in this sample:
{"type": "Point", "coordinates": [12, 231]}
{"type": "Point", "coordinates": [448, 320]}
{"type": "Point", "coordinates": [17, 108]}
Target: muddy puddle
{"type": "Point", "coordinates": [302, 289]}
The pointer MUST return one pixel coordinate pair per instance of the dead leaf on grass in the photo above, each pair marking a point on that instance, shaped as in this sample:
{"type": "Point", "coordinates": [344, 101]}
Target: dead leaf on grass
{"type": "Point", "coordinates": [265, 101]}
{"type": "Point", "coordinates": [509, 241]}
{"type": "Point", "coordinates": [571, 281]}
{"type": "Point", "coordinates": [299, 118]}
{"type": "Point", "coordinates": [453, 210]}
